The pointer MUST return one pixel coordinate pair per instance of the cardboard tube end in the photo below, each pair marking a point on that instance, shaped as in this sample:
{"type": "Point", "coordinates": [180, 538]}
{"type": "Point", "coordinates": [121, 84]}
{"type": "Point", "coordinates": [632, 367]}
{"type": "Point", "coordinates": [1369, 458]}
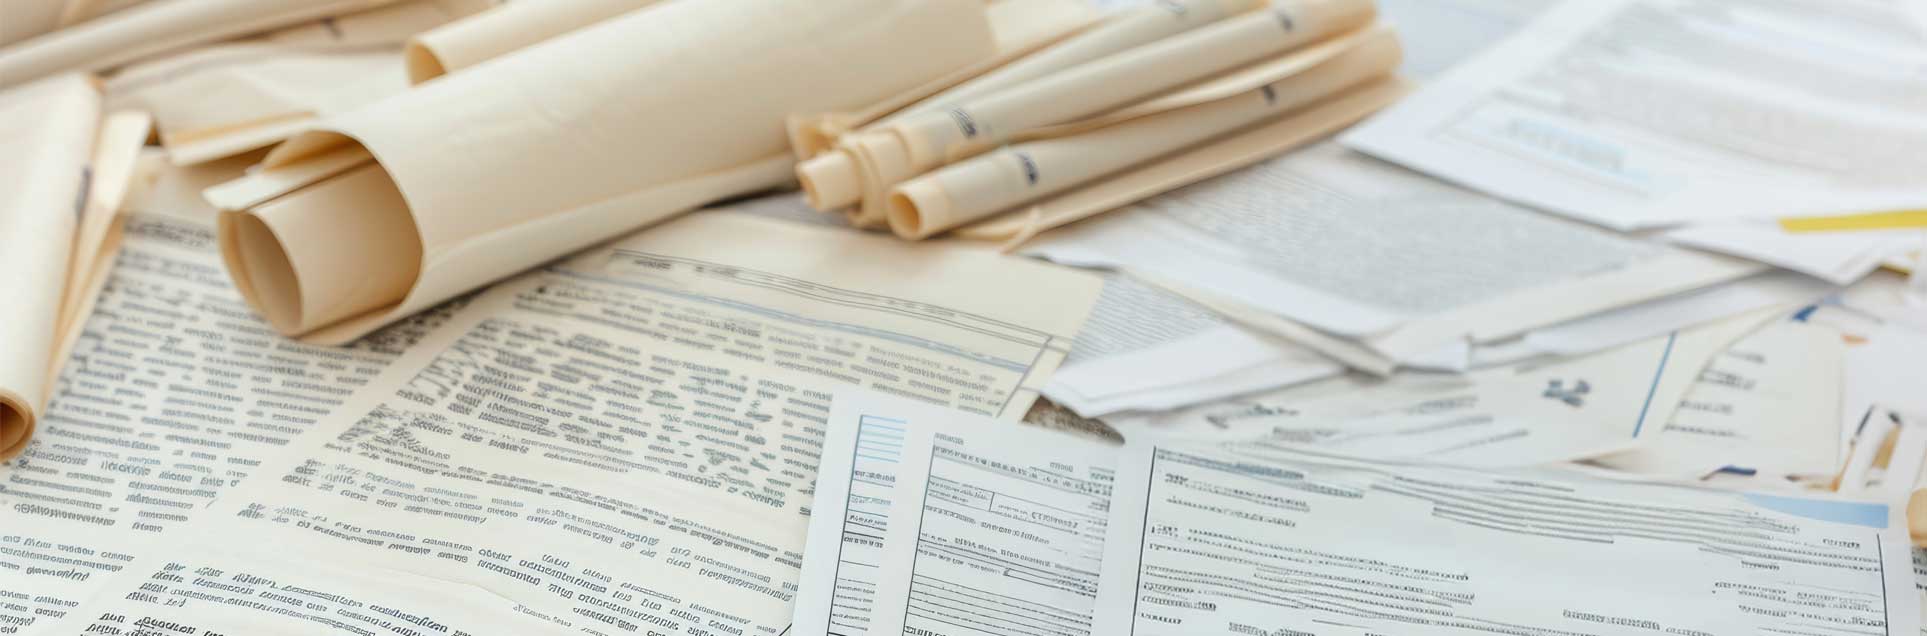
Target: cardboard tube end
{"type": "Point", "coordinates": [914, 205]}
{"type": "Point", "coordinates": [830, 181]}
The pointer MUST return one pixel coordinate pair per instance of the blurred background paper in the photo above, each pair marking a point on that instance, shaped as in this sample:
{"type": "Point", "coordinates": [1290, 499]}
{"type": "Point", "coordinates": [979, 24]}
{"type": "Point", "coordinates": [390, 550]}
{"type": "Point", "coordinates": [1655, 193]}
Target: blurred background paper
{"type": "Point", "coordinates": [225, 99]}
{"type": "Point", "coordinates": [505, 28]}
{"type": "Point", "coordinates": [155, 27]}
{"type": "Point", "coordinates": [417, 198]}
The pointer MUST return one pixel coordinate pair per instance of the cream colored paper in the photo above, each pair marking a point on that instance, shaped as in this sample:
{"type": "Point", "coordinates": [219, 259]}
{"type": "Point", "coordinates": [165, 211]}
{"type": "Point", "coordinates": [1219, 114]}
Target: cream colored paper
{"type": "Point", "coordinates": [230, 98]}
{"type": "Point", "coordinates": [28, 18]}
{"type": "Point", "coordinates": [48, 129]}
{"type": "Point", "coordinates": [157, 27]}
{"type": "Point", "coordinates": [483, 174]}
{"type": "Point", "coordinates": [117, 152]}
{"type": "Point", "coordinates": [1028, 24]}
{"type": "Point", "coordinates": [951, 128]}
{"type": "Point", "coordinates": [982, 186]}
{"type": "Point", "coordinates": [1190, 166]}
{"type": "Point", "coordinates": [932, 139]}
{"type": "Point", "coordinates": [78, 11]}
{"type": "Point", "coordinates": [641, 425]}
{"type": "Point", "coordinates": [504, 29]}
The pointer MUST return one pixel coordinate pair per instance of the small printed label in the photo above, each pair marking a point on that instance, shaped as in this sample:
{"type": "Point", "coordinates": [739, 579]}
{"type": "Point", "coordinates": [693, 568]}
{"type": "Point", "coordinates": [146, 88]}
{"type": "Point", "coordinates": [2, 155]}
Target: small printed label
{"type": "Point", "coordinates": [964, 122]}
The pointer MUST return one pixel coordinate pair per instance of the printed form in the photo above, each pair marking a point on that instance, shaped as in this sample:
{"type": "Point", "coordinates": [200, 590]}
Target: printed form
{"type": "Point", "coordinates": [953, 525]}
{"type": "Point", "coordinates": [628, 441]}
{"type": "Point", "coordinates": [1644, 113]}
{"type": "Point", "coordinates": [1230, 539]}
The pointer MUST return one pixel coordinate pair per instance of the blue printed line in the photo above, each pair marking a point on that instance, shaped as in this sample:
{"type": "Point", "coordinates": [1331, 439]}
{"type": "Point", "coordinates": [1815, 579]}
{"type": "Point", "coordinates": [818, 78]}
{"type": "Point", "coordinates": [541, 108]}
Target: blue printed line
{"type": "Point", "coordinates": [1654, 390]}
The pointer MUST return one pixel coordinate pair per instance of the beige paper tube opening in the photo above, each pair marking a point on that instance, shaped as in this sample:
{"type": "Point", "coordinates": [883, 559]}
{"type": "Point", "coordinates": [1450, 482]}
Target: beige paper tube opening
{"type": "Point", "coordinates": [348, 246]}
{"type": "Point", "coordinates": [509, 27]}
{"type": "Point", "coordinates": [829, 181]}
{"type": "Point", "coordinates": [15, 427]}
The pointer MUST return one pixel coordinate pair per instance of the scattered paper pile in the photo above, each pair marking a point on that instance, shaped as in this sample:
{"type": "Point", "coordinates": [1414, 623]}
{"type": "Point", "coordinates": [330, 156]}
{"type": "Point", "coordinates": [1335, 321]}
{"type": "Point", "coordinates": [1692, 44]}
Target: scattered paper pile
{"type": "Point", "coordinates": [467, 317]}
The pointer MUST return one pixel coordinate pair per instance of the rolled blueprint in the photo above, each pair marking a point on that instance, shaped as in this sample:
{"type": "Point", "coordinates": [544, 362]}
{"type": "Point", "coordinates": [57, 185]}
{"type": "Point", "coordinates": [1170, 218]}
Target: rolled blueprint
{"type": "Point", "coordinates": [976, 188]}
{"type": "Point", "coordinates": [392, 208]}
{"type": "Point", "coordinates": [225, 99]}
{"type": "Point", "coordinates": [1133, 28]}
{"type": "Point", "coordinates": [505, 28]}
{"type": "Point", "coordinates": [156, 27]}
{"type": "Point", "coordinates": [923, 141]}
{"type": "Point", "coordinates": [48, 129]}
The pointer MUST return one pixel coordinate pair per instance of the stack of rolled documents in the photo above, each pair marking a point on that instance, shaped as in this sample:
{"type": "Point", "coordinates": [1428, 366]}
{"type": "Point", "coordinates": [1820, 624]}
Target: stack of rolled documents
{"type": "Point", "coordinates": [523, 149]}
{"type": "Point", "coordinates": [1141, 103]}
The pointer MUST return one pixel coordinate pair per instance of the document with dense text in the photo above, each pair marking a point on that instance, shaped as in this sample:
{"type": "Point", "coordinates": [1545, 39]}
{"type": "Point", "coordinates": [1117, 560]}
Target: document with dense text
{"type": "Point", "coordinates": [935, 520]}
{"type": "Point", "coordinates": [173, 394]}
{"type": "Point", "coordinates": [1643, 113]}
{"type": "Point", "coordinates": [629, 440]}
{"type": "Point", "coordinates": [1227, 539]}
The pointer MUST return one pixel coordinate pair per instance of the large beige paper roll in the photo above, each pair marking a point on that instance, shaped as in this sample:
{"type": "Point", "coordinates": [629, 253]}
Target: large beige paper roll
{"type": "Point", "coordinates": [1031, 23]}
{"type": "Point", "coordinates": [156, 27]}
{"type": "Point", "coordinates": [48, 130]}
{"type": "Point", "coordinates": [976, 188]}
{"type": "Point", "coordinates": [220, 100]}
{"type": "Point", "coordinates": [503, 29]}
{"type": "Point", "coordinates": [526, 157]}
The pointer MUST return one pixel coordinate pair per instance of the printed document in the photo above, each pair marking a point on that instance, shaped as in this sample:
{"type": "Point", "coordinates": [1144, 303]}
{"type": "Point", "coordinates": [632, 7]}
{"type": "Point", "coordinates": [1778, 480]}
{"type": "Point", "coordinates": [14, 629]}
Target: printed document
{"type": "Point", "coordinates": [1366, 251]}
{"type": "Point", "coordinates": [1643, 113]}
{"type": "Point", "coordinates": [629, 440]}
{"type": "Point", "coordinates": [1231, 539]}
{"type": "Point", "coordinates": [930, 519]}
{"type": "Point", "coordinates": [173, 394]}
{"type": "Point", "coordinates": [1768, 406]}
{"type": "Point", "coordinates": [1145, 348]}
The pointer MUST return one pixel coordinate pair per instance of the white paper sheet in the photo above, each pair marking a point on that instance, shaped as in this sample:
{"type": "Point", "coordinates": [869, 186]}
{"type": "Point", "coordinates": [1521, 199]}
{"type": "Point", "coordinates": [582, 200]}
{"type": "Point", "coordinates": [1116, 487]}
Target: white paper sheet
{"type": "Point", "coordinates": [1521, 415]}
{"type": "Point", "coordinates": [629, 440]}
{"type": "Point", "coordinates": [1767, 406]}
{"type": "Point", "coordinates": [1836, 257]}
{"type": "Point", "coordinates": [1439, 34]}
{"type": "Point", "coordinates": [1239, 540]}
{"type": "Point", "coordinates": [999, 531]}
{"type": "Point", "coordinates": [896, 543]}
{"type": "Point", "coordinates": [1148, 349]}
{"type": "Point", "coordinates": [1680, 311]}
{"type": "Point", "coordinates": [1363, 250]}
{"type": "Point", "coordinates": [1637, 113]}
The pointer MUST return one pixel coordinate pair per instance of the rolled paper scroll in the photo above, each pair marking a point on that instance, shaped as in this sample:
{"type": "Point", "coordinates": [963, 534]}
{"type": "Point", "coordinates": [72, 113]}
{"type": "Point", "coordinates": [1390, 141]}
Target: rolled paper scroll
{"type": "Point", "coordinates": [925, 140]}
{"type": "Point", "coordinates": [1030, 27]}
{"type": "Point", "coordinates": [157, 27]}
{"type": "Point", "coordinates": [48, 128]}
{"type": "Point", "coordinates": [390, 209]}
{"type": "Point", "coordinates": [980, 187]}
{"type": "Point", "coordinates": [506, 28]}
